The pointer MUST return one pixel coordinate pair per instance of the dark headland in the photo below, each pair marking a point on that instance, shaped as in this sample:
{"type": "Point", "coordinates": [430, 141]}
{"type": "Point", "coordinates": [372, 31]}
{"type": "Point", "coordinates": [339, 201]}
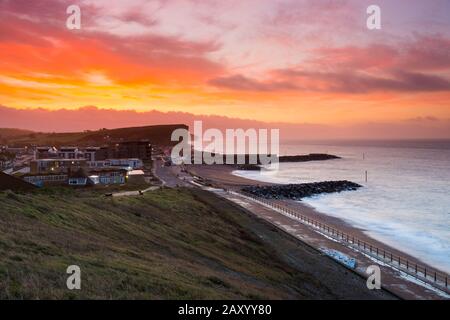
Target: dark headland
{"type": "Point", "coordinates": [308, 157]}
{"type": "Point", "coordinates": [296, 158]}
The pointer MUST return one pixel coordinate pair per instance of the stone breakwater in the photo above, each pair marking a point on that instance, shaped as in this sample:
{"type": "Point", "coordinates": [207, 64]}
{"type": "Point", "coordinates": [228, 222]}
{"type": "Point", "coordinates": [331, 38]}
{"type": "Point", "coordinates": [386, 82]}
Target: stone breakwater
{"type": "Point", "coordinates": [300, 191]}
{"type": "Point", "coordinates": [308, 157]}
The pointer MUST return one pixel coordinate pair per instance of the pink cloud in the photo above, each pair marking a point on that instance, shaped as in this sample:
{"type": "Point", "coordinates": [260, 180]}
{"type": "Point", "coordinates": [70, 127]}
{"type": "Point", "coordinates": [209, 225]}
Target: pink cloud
{"type": "Point", "coordinates": [240, 82]}
{"type": "Point", "coordinates": [410, 67]}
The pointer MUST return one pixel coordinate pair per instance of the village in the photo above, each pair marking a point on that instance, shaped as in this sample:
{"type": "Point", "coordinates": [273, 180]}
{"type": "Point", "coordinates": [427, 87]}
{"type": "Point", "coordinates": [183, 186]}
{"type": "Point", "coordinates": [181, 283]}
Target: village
{"type": "Point", "coordinates": [126, 162]}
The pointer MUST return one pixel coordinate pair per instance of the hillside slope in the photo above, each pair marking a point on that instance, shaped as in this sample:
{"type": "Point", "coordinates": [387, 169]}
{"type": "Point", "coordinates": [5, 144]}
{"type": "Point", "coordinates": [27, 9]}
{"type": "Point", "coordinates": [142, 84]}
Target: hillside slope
{"type": "Point", "coordinates": [8, 182]}
{"type": "Point", "coordinates": [10, 133]}
{"type": "Point", "coordinates": [158, 134]}
{"type": "Point", "coordinates": [166, 244]}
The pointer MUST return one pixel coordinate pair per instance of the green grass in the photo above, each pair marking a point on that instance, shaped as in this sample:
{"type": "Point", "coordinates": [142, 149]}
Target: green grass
{"type": "Point", "coordinates": [167, 244]}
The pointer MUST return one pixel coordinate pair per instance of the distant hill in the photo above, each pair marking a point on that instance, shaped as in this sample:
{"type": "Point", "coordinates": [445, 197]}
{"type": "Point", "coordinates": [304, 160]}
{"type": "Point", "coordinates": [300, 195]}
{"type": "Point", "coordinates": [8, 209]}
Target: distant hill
{"type": "Point", "coordinates": [158, 135]}
{"type": "Point", "coordinates": [8, 133]}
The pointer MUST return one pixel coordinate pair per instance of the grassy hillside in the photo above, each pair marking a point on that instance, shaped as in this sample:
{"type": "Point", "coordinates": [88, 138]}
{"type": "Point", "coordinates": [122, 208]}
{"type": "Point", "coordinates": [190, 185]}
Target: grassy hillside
{"type": "Point", "coordinates": [159, 134]}
{"type": "Point", "coordinates": [166, 244]}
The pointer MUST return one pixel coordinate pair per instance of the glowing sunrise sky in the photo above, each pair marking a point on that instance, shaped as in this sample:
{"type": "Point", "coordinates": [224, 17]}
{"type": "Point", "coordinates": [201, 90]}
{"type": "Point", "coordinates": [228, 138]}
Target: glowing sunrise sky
{"type": "Point", "coordinates": [288, 61]}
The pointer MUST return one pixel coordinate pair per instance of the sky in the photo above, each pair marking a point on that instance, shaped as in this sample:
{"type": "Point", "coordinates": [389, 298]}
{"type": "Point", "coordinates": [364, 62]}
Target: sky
{"type": "Point", "coordinates": [313, 64]}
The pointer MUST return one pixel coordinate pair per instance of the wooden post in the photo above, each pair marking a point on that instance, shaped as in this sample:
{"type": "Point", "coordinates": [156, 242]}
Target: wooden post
{"type": "Point", "coordinates": [366, 175]}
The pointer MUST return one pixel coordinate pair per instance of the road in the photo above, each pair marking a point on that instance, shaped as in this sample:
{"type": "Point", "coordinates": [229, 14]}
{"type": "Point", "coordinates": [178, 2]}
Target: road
{"type": "Point", "coordinates": [171, 176]}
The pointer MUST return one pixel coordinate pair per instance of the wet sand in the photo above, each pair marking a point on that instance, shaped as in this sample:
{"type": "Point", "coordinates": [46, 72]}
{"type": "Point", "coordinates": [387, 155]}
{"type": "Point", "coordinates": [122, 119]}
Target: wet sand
{"type": "Point", "coordinates": [222, 176]}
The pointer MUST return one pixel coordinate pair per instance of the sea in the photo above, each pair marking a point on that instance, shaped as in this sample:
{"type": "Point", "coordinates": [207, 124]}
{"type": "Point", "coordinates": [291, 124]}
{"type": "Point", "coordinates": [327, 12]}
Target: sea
{"type": "Point", "coordinates": [404, 202]}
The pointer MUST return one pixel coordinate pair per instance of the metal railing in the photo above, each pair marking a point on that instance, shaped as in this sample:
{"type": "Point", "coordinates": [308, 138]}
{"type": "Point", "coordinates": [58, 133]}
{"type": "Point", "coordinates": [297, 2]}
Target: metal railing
{"type": "Point", "coordinates": [406, 265]}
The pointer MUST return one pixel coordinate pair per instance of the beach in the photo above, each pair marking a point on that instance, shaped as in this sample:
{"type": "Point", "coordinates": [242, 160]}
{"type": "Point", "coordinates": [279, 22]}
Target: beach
{"type": "Point", "coordinates": [222, 177]}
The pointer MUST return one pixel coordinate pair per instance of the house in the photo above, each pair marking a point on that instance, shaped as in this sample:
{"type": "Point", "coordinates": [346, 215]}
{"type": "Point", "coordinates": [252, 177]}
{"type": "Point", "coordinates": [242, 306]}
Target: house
{"type": "Point", "coordinates": [91, 153]}
{"type": "Point", "coordinates": [70, 153]}
{"type": "Point", "coordinates": [132, 163]}
{"type": "Point", "coordinates": [6, 160]}
{"type": "Point", "coordinates": [110, 176]}
{"type": "Point", "coordinates": [124, 150]}
{"type": "Point", "coordinates": [141, 149]}
{"type": "Point", "coordinates": [6, 164]}
{"type": "Point", "coordinates": [129, 164]}
{"type": "Point", "coordinates": [56, 165]}
{"type": "Point", "coordinates": [78, 178]}
{"type": "Point", "coordinates": [17, 151]}
{"type": "Point", "coordinates": [99, 164]}
{"type": "Point", "coordinates": [103, 153]}
{"type": "Point", "coordinates": [45, 153]}
{"type": "Point", "coordinates": [94, 179]}
{"type": "Point", "coordinates": [46, 179]}
{"type": "Point", "coordinates": [136, 177]}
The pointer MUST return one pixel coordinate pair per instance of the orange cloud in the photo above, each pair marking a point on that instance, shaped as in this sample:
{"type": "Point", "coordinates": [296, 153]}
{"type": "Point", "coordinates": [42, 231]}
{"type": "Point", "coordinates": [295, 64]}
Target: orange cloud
{"type": "Point", "coordinates": [291, 62]}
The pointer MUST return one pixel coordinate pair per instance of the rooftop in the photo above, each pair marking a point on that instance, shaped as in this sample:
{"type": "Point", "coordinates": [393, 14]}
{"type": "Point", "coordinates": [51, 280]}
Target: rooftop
{"type": "Point", "coordinates": [136, 173]}
{"type": "Point", "coordinates": [125, 159]}
{"type": "Point", "coordinates": [59, 160]}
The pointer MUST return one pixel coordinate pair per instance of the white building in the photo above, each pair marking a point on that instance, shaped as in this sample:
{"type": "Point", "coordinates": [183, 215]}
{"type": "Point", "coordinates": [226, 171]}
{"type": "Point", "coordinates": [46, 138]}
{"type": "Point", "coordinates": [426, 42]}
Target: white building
{"type": "Point", "coordinates": [90, 153]}
{"type": "Point", "coordinates": [136, 176]}
{"type": "Point", "coordinates": [69, 153]}
{"type": "Point", "coordinates": [132, 163]}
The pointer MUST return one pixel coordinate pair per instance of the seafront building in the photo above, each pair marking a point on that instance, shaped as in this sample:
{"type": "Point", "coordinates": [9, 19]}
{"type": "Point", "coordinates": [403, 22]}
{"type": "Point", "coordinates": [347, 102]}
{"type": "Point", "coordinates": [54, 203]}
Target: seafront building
{"type": "Point", "coordinates": [56, 165]}
{"type": "Point", "coordinates": [77, 166]}
{"type": "Point", "coordinates": [79, 178]}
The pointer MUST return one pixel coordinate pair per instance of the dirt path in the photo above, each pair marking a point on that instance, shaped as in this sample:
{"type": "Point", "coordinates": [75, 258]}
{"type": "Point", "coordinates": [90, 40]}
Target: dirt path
{"type": "Point", "coordinates": [134, 193]}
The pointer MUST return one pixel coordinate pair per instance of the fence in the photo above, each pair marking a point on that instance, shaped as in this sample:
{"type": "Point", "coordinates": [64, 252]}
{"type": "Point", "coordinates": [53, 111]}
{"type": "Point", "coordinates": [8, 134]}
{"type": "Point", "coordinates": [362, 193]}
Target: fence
{"type": "Point", "coordinates": [408, 266]}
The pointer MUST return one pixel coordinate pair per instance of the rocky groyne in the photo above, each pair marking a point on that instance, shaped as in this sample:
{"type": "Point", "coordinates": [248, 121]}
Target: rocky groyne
{"type": "Point", "coordinates": [249, 167]}
{"type": "Point", "coordinates": [300, 191]}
